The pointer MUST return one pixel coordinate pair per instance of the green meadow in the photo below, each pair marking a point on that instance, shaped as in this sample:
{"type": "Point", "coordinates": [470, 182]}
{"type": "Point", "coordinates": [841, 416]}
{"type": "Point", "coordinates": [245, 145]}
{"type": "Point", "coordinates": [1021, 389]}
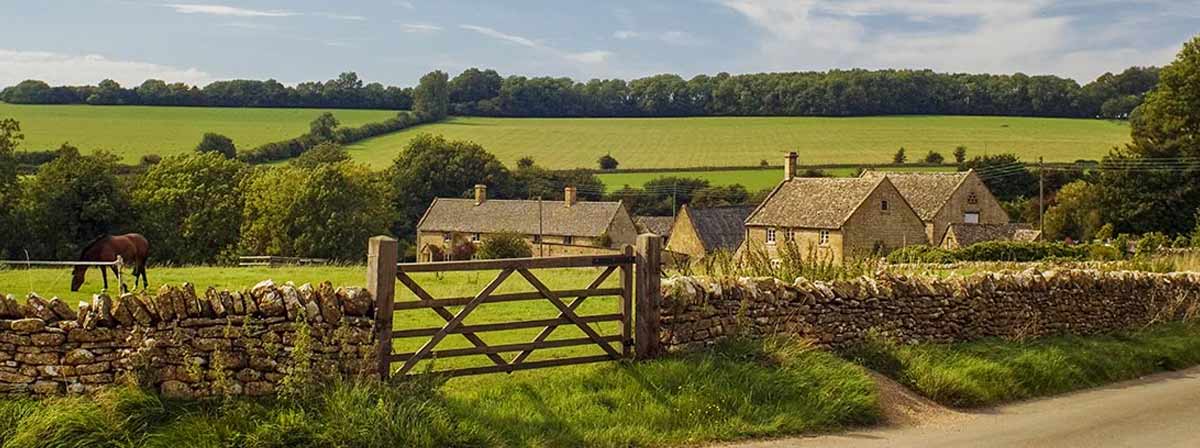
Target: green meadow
{"type": "Point", "coordinates": [745, 141]}
{"type": "Point", "coordinates": [134, 131]}
{"type": "Point", "coordinates": [752, 179]}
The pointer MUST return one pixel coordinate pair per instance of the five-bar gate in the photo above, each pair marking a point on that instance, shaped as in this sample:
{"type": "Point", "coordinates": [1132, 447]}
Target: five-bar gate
{"type": "Point", "coordinates": [383, 269]}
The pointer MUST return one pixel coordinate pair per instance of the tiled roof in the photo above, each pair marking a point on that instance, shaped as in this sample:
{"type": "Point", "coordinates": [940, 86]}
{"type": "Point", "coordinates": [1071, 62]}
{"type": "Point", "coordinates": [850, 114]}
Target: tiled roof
{"type": "Point", "coordinates": [658, 225]}
{"type": "Point", "coordinates": [925, 192]}
{"type": "Point", "coordinates": [968, 234]}
{"type": "Point", "coordinates": [814, 202]}
{"type": "Point", "coordinates": [584, 219]}
{"type": "Point", "coordinates": [721, 228]}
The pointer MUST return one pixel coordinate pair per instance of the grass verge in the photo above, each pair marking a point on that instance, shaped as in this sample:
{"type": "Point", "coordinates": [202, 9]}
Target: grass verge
{"type": "Point", "coordinates": [989, 372]}
{"type": "Point", "coordinates": [737, 390]}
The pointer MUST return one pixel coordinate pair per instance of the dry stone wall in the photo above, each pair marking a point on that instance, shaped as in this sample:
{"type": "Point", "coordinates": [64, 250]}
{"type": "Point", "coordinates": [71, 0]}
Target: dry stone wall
{"type": "Point", "coordinates": [697, 311]}
{"type": "Point", "coordinates": [183, 343]}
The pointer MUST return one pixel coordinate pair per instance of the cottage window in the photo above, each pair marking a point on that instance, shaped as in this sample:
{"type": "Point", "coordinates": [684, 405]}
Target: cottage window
{"type": "Point", "coordinates": [475, 238]}
{"type": "Point", "coordinates": [883, 206]}
{"type": "Point", "coordinates": [790, 235]}
{"type": "Point", "coordinates": [770, 236]}
{"type": "Point", "coordinates": [971, 217]}
{"type": "Point", "coordinates": [972, 198]}
{"type": "Point", "coordinates": [446, 238]}
{"type": "Point", "coordinates": [568, 240]}
{"type": "Point", "coordinates": [823, 238]}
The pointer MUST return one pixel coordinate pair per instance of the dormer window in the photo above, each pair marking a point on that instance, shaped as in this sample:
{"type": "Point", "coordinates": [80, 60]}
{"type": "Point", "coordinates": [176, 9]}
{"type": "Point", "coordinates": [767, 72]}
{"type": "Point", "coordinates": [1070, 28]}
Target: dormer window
{"type": "Point", "coordinates": [972, 198]}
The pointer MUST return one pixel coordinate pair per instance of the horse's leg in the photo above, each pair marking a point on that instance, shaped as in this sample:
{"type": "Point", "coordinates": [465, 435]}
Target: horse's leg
{"type": "Point", "coordinates": [104, 274]}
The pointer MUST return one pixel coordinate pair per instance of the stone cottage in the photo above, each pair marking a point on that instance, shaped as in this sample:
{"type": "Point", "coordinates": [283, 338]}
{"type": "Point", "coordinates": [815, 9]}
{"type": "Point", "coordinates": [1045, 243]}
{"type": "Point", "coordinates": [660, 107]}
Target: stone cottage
{"type": "Point", "coordinates": [657, 225]}
{"type": "Point", "coordinates": [943, 199]}
{"type": "Point", "coordinates": [551, 228]}
{"type": "Point", "coordinates": [698, 232]}
{"type": "Point", "coordinates": [833, 218]}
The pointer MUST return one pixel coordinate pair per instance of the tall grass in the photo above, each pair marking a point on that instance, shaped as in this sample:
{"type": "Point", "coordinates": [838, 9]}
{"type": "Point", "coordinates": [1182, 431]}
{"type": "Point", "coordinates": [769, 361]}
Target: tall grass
{"type": "Point", "coordinates": [790, 262]}
{"type": "Point", "coordinates": [739, 389]}
{"type": "Point", "coordinates": [992, 371]}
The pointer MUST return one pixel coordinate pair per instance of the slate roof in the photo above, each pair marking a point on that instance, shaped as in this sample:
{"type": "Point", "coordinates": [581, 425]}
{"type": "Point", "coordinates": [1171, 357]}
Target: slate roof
{"type": "Point", "coordinates": [814, 202]}
{"type": "Point", "coordinates": [583, 219]}
{"type": "Point", "coordinates": [925, 192]}
{"type": "Point", "coordinates": [721, 228]}
{"type": "Point", "coordinates": [968, 234]}
{"type": "Point", "coordinates": [658, 225]}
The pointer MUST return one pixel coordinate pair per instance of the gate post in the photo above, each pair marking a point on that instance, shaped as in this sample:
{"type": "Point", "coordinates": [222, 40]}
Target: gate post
{"type": "Point", "coordinates": [382, 256]}
{"type": "Point", "coordinates": [649, 296]}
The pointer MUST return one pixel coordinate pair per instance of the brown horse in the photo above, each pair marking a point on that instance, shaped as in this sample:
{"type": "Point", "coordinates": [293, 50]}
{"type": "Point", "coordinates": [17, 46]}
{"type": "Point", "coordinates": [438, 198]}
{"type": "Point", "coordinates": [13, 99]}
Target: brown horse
{"type": "Point", "coordinates": [132, 248]}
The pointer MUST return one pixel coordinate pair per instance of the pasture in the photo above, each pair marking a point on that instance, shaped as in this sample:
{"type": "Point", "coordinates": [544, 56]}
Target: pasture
{"type": "Point", "coordinates": [134, 131]}
{"type": "Point", "coordinates": [561, 143]}
{"type": "Point", "coordinates": [752, 179]}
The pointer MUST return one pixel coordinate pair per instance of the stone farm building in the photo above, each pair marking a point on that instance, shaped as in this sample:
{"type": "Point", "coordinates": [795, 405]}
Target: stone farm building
{"type": "Point", "coordinates": [963, 235]}
{"type": "Point", "coordinates": [833, 218]}
{"type": "Point", "coordinates": [945, 199]}
{"type": "Point", "coordinates": [658, 225]}
{"type": "Point", "coordinates": [551, 228]}
{"type": "Point", "coordinates": [698, 232]}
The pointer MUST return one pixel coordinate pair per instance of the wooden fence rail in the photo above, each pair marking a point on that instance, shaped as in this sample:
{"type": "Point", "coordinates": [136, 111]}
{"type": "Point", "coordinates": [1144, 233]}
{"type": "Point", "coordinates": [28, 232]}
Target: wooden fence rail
{"type": "Point", "coordinates": [384, 273]}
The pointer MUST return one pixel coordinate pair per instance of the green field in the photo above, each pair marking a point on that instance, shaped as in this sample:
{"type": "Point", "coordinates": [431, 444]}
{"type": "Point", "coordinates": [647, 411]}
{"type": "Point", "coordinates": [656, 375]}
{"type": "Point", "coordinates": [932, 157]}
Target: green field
{"type": "Point", "coordinates": [134, 131]}
{"type": "Point", "coordinates": [743, 141]}
{"type": "Point", "coordinates": [752, 179]}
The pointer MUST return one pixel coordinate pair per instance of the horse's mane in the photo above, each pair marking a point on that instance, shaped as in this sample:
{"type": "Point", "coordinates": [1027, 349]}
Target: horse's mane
{"type": "Point", "coordinates": [92, 244]}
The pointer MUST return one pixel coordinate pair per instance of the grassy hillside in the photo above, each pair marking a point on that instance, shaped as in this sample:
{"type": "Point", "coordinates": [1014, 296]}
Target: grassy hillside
{"type": "Point", "coordinates": [742, 141]}
{"type": "Point", "coordinates": [134, 131]}
{"type": "Point", "coordinates": [752, 179]}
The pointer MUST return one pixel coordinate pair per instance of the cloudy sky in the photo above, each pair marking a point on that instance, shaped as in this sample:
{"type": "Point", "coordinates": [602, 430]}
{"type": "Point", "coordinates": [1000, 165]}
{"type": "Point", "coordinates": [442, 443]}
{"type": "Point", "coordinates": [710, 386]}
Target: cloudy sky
{"type": "Point", "coordinates": [395, 41]}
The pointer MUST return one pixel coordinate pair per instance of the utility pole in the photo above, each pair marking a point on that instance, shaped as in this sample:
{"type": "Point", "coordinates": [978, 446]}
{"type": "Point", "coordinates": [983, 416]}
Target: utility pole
{"type": "Point", "coordinates": [1041, 195]}
{"type": "Point", "coordinates": [674, 191]}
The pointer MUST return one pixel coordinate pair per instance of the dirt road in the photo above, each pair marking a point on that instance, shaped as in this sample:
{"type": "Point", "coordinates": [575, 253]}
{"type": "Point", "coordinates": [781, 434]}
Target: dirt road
{"type": "Point", "coordinates": [1160, 411]}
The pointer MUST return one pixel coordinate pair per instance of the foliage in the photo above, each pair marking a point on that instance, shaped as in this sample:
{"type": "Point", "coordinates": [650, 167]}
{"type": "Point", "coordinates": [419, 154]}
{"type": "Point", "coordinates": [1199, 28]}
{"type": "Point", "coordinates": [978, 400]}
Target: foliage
{"type": "Point", "coordinates": [10, 137]}
{"type": "Point", "coordinates": [325, 153]}
{"type": "Point", "coordinates": [534, 182]}
{"type": "Point", "coordinates": [791, 261]}
{"type": "Point", "coordinates": [934, 158]}
{"type": "Point", "coordinates": [1105, 233]}
{"type": "Point", "coordinates": [327, 211]}
{"type": "Point", "coordinates": [720, 196]}
{"type": "Point", "coordinates": [899, 158]}
{"type": "Point", "coordinates": [1153, 184]}
{"type": "Point", "coordinates": [993, 371]}
{"type": "Point", "coordinates": [1017, 180]}
{"type": "Point", "coordinates": [504, 245]}
{"type": "Point", "coordinates": [344, 92]}
{"type": "Point", "coordinates": [190, 207]}
{"type": "Point", "coordinates": [220, 144]}
{"type": "Point", "coordinates": [71, 201]}
{"type": "Point", "coordinates": [608, 162]}
{"type": "Point", "coordinates": [322, 127]}
{"type": "Point", "coordinates": [459, 165]}
{"type": "Point", "coordinates": [431, 98]}
{"type": "Point", "coordinates": [324, 130]}
{"type": "Point", "coordinates": [1077, 214]}
{"type": "Point", "coordinates": [664, 195]}
{"type": "Point", "coordinates": [1150, 243]}
{"type": "Point", "coordinates": [960, 155]}
{"type": "Point", "coordinates": [990, 251]}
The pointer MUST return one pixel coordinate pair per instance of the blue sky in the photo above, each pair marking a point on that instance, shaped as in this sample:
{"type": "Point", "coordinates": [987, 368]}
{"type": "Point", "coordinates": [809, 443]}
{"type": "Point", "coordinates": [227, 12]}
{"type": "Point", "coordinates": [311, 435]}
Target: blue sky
{"type": "Point", "coordinates": [395, 41]}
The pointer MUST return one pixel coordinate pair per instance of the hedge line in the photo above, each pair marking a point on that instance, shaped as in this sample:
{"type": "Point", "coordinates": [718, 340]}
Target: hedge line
{"type": "Point", "coordinates": [992, 251]}
{"type": "Point", "coordinates": [290, 148]}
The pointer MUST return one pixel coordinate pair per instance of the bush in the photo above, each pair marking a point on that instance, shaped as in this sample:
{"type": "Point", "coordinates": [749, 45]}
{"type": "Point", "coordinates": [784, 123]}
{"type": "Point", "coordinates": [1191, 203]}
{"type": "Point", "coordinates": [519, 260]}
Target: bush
{"type": "Point", "coordinates": [1151, 243]}
{"type": "Point", "coordinates": [217, 143]}
{"type": "Point", "coordinates": [899, 158]}
{"type": "Point", "coordinates": [287, 149]}
{"type": "Point", "coordinates": [608, 162]}
{"type": "Point", "coordinates": [1020, 251]}
{"type": "Point", "coordinates": [504, 245]}
{"type": "Point", "coordinates": [921, 254]}
{"type": "Point", "coordinates": [934, 158]}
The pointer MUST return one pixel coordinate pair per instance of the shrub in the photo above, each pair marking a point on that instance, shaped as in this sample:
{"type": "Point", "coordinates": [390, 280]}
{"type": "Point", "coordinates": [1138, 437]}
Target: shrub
{"type": "Point", "coordinates": [1105, 233]}
{"type": "Point", "coordinates": [1181, 242]}
{"type": "Point", "coordinates": [504, 245]}
{"type": "Point", "coordinates": [1020, 251]}
{"type": "Point", "coordinates": [1151, 243]}
{"type": "Point", "coordinates": [899, 158]}
{"type": "Point", "coordinates": [934, 158]}
{"type": "Point", "coordinates": [921, 254]}
{"type": "Point", "coordinates": [217, 143]}
{"type": "Point", "coordinates": [1101, 252]}
{"type": "Point", "coordinates": [608, 162]}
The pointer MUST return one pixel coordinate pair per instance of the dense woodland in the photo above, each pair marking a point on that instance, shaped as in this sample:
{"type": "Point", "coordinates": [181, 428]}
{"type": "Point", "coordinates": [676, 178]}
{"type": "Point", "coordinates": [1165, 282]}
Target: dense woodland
{"type": "Point", "coordinates": [487, 93]}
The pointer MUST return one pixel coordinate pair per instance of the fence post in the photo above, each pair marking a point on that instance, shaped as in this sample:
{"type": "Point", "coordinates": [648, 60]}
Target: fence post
{"type": "Point", "coordinates": [649, 297]}
{"type": "Point", "coordinates": [627, 305]}
{"type": "Point", "coordinates": [382, 255]}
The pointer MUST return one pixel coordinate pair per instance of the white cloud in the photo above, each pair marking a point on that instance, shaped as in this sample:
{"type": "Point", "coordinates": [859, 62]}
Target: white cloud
{"type": "Point", "coordinates": [679, 38]}
{"type": "Point", "coordinates": [404, 4]}
{"type": "Point", "coordinates": [626, 34]}
{"type": "Point", "coordinates": [63, 69]}
{"type": "Point", "coordinates": [585, 57]}
{"type": "Point", "coordinates": [501, 35]}
{"type": "Point", "coordinates": [351, 17]}
{"type": "Point", "coordinates": [1001, 36]}
{"type": "Point", "coordinates": [419, 28]}
{"type": "Point", "coordinates": [223, 10]}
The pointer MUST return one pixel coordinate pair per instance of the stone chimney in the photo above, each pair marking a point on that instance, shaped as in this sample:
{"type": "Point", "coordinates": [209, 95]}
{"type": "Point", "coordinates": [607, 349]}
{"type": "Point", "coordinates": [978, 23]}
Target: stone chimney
{"type": "Point", "coordinates": [789, 166]}
{"type": "Point", "coordinates": [569, 196]}
{"type": "Point", "coordinates": [480, 193]}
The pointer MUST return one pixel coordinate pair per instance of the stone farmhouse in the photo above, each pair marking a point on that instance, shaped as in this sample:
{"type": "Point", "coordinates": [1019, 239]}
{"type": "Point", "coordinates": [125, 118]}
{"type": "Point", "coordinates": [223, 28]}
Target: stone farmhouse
{"type": "Point", "coordinates": [962, 235]}
{"type": "Point", "coordinates": [657, 225]}
{"type": "Point", "coordinates": [833, 218]}
{"type": "Point", "coordinates": [551, 228]}
{"type": "Point", "coordinates": [945, 199]}
{"type": "Point", "coordinates": [698, 232]}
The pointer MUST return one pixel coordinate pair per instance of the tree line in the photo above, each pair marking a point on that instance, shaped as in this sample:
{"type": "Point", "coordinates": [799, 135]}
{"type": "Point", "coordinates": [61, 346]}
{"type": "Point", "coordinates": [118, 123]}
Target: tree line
{"type": "Point", "coordinates": [831, 93]}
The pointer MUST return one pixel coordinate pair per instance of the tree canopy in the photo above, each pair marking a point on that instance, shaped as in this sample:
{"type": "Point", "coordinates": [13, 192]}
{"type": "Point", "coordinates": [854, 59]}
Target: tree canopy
{"type": "Point", "coordinates": [190, 206]}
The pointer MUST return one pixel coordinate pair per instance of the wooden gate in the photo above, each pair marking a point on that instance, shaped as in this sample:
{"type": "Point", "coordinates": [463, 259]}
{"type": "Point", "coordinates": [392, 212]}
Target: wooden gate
{"type": "Point", "coordinates": [384, 273]}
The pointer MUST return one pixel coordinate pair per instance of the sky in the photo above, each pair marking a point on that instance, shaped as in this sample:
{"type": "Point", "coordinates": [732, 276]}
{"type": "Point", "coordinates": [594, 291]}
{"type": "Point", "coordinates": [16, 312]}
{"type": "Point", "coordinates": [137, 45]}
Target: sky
{"type": "Point", "coordinates": [396, 41]}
